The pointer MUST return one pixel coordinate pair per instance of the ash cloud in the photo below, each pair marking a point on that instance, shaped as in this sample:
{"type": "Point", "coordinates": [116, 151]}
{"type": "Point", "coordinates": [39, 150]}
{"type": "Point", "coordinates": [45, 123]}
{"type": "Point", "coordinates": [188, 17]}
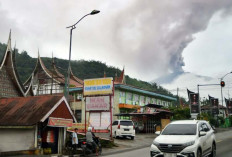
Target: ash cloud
{"type": "Point", "coordinates": [161, 31]}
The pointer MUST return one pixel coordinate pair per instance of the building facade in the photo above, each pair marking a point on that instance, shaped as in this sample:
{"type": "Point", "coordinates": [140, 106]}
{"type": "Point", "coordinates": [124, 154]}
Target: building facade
{"type": "Point", "coordinates": [126, 99]}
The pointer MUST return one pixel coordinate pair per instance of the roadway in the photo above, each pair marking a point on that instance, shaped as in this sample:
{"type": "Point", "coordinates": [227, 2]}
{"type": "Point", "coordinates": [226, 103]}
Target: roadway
{"type": "Point", "coordinates": [224, 145]}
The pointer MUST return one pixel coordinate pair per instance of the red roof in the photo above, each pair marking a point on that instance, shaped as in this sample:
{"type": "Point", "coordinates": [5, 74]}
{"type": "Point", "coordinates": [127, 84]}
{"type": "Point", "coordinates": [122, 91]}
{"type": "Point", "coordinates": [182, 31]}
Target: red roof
{"type": "Point", "coordinates": [120, 79]}
{"type": "Point", "coordinates": [27, 111]}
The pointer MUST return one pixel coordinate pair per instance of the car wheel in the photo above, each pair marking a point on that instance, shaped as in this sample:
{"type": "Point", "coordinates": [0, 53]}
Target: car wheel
{"type": "Point", "coordinates": [199, 154]}
{"type": "Point", "coordinates": [132, 137]}
{"type": "Point", "coordinates": [213, 152]}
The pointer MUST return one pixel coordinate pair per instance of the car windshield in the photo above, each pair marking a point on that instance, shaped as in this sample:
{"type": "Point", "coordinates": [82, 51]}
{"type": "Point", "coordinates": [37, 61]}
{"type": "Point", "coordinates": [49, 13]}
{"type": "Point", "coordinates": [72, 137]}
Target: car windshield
{"type": "Point", "coordinates": [126, 123]}
{"type": "Point", "coordinates": [180, 129]}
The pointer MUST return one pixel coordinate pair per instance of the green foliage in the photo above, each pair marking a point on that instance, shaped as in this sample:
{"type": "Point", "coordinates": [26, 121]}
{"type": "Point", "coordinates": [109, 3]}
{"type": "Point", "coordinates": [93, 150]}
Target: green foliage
{"type": "Point", "coordinates": [81, 68]}
{"type": "Point", "coordinates": [230, 119]}
{"type": "Point", "coordinates": [180, 113]}
{"type": "Point", "coordinates": [107, 143]}
{"type": "Point", "coordinates": [222, 120]}
{"type": "Point", "coordinates": [212, 120]}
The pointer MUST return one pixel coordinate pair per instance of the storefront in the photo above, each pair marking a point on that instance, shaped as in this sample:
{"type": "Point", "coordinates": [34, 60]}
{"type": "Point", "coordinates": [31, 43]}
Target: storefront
{"type": "Point", "coordinates": [37, 125]}
{"type": "Point", "coordinates": [148, 119]}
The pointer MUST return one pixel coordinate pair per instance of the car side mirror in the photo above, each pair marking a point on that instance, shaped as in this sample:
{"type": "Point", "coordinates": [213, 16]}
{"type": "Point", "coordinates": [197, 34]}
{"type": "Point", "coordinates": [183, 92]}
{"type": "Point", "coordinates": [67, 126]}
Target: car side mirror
{"type": "Point", "coordinates": [202, 133]}
{"type": "Point", "coordinates": [214, 129]}
{"type": "Point", "coordinates": [157, 132]}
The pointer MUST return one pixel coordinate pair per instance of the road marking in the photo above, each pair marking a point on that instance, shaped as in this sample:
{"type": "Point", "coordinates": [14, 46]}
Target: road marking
{"type": "Point", "coordinates": [222, 140]}
{"type": "Point", "coordinates": [218, 141]}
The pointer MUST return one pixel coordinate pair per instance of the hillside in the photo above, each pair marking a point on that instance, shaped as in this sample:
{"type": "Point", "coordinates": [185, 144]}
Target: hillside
{"type": "Point", "coordinates": [81, 68]}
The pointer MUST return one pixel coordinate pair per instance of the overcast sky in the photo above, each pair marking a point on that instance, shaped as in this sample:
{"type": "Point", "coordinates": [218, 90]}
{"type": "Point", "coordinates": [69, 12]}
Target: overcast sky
{"type": "Point", "coordinates": [150, 37]}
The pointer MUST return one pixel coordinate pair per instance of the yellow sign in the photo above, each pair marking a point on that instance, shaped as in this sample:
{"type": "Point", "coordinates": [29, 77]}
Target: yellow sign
{"type": "Point", "coordinates": [101, 86]}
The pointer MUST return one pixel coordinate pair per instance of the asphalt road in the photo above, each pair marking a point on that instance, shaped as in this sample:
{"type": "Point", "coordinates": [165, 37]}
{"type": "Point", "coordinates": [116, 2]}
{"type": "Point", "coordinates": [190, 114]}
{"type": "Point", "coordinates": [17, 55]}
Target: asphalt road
{"type": "Point", "coordinates": [224, 147]}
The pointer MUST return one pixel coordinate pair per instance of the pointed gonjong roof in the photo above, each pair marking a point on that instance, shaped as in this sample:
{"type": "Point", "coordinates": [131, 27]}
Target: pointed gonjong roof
{"type": "Point", "coordinates": [12, 85]}
{"type": "Point", "coordinates": [54, 73]}
{"type": "Point", "coordinates": [75, 81]}
{"type": "Point", "coordinates": [121, 79]}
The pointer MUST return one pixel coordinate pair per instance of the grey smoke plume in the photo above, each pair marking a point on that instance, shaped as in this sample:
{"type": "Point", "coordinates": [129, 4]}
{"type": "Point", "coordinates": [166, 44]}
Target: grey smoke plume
{"type": "Point", "coordinates": [162, 29]}
{"type": "Point", "coordinates": [147, 36]}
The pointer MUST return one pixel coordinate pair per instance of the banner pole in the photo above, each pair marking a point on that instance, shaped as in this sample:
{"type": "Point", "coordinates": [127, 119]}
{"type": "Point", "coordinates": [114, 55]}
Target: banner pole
{"type": "Point", "coordinates": [85, 115]}
{"type": "Point", "coordinates": [110, 117]}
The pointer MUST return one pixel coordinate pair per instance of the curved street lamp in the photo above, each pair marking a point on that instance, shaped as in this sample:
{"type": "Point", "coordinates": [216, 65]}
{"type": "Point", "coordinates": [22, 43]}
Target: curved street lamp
{"type": "Point", "coordinates": [70, 48]}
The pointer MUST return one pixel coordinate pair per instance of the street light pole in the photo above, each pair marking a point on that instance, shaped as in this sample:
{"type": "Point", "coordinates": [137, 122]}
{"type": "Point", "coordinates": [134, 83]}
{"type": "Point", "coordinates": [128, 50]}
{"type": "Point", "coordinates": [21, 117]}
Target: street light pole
{"type": "Point", "coordinates": [70, 49]}
{"type": "Point", "coordinates": [221, 86]}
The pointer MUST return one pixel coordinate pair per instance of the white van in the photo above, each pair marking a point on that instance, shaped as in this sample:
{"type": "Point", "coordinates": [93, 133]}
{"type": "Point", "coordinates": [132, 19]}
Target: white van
{"type": "Point", "coordinates": [123, 128]}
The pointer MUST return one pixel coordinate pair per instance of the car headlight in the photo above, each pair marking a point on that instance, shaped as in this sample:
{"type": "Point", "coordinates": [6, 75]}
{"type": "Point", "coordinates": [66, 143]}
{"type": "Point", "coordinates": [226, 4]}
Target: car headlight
{"type": "Point", "coordinates": [155, 143]}
{"type": "Point", "coordinates": [189, 143]}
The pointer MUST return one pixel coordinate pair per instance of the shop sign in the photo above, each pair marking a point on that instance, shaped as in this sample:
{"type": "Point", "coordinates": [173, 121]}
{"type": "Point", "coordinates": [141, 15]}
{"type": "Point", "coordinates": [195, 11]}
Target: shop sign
{"type": "Point", "coordinates": [60, 122]}
{"type": "Point", "coordinates": [101, 86]}
{"type": "Point", "coordinates": [97, 103]}
{"type": "Point", "coordinates": [79, 126]}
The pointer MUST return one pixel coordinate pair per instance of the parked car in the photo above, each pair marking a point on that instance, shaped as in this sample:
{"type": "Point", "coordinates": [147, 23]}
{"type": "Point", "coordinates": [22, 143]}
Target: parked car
{"type": "Point", "coordinates": [186, 138]}
{"type": "Point", "coordinates": [123, 128]}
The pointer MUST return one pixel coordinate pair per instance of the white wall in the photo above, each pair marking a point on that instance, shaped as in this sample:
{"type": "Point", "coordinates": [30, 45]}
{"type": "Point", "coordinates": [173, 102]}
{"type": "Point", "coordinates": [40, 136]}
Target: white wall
{"type": "Point", "coordinates": [16, 139]}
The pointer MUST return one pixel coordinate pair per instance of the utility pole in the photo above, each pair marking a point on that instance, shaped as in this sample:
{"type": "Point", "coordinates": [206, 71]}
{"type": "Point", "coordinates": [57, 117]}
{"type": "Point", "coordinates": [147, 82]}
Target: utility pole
{"type": "Point", "coordinates": [178, 100]}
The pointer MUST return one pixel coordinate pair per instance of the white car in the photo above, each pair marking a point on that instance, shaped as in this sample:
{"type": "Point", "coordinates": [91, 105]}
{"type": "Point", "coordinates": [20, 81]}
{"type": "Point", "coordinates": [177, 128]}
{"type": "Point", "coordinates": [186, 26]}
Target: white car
{"type": "Point", "coordinates": [186, 138]}
{"type": "Point", "coordinates": [123, 128]}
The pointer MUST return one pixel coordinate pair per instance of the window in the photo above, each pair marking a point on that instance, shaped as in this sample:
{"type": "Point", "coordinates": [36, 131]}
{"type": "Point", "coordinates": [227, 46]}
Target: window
{"type": "Point", "coordinates": [115, 123]}
{"type": "Point", "coordinates": [136, 99]}
{"type": "Point", "coordinates": [142, 102]}
{"type": "Point", "coordinates": [180, 129]}
{"type": "Point", "coordinates": [78, 115]}
{"type": "Point", "coordinates": [148, 100]}
{"type": "Point", "coordinates": [153, 101]}
{"type": "Point", "coordinates": [126, 123]}
{"type": "Point", "coordinates": [129, 98]}
{"type": "Point", "coordinates": [122, 96]}
{"type": "Point", "coordinates": [204, 127]}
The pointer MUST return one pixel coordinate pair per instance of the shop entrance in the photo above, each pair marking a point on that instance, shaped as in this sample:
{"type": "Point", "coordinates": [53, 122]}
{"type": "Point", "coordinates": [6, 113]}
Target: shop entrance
{"type": "Point", "coordinates": [50, 140]}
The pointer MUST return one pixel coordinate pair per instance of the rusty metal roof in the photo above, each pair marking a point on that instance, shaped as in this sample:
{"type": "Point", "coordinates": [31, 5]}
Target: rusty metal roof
{"type": "Point", "coordinates": [26, 111]}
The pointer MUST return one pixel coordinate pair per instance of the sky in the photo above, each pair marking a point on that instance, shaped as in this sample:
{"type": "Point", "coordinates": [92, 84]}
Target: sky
{"type": "Point", "coordinates": [150, 38]}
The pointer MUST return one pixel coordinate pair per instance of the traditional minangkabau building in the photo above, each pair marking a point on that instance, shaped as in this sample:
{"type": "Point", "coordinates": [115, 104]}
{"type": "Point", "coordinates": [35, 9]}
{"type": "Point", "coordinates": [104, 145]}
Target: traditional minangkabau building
{"type": "Point", "coordinates": [45, 81]}
{"type": "Point", "coordinates": [33, 123]}
{"type": "Point", "coordinates": [10, 84]}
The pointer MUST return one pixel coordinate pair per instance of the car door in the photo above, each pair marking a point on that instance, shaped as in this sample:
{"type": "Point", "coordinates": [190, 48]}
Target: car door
{"type": "Point", "coordinates": [202, 139]}
{"type": "Point", "coordinates": [207, 139]}
{"type": "Point", "coordinates": [208, 136]}
{"type": "Point", "coordinates": [211, 134]}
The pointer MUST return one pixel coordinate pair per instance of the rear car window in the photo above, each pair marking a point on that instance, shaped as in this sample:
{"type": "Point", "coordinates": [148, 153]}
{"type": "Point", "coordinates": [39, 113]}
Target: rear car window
{"type": "Point", "coordinates": [126, 123]}
{"type": "Point", "coordinates": [180, 129]}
